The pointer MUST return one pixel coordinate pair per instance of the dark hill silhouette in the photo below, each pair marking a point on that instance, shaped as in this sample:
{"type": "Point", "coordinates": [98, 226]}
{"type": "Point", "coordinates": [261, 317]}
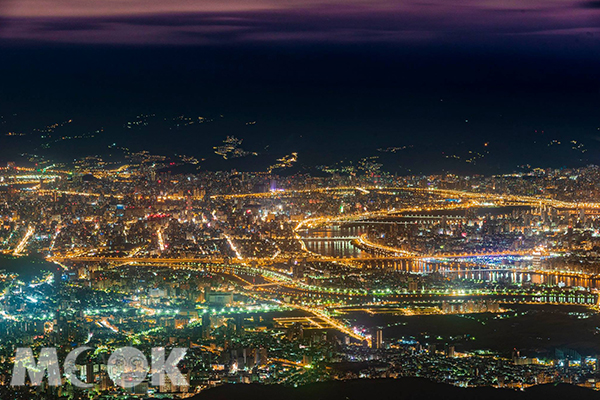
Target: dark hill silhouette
{"type": "Point", "coordinates": [402, 389]}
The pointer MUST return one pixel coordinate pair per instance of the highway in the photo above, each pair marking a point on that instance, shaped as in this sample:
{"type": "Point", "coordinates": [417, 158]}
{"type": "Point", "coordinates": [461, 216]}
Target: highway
{"type": "Point", "coordinates": [21, 246]}
{"type": "Point", "coordinates": [312, 257]}
{"type": "Point", "coordinates": [277, 285]}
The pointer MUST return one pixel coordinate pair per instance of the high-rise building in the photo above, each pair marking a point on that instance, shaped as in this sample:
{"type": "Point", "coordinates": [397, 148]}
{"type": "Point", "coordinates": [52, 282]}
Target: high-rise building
{"type": "Point", "coordinates": [295, 331]}
{"type": "Point", "coordinates": [205, 326]}
{"type": "Point", "coordinates": [413, 285]}
{"type": "Point", "coordinates": [378, 342]}
{"type": "Point", "coordinates": [537, 260]}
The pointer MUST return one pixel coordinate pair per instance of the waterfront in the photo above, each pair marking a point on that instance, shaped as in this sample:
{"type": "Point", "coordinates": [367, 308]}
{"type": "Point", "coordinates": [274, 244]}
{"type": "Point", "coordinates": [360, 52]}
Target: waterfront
{"type": "Point", "coordinates": [337, 241]}
{"type": "Point", "coordinates": [536, 330]}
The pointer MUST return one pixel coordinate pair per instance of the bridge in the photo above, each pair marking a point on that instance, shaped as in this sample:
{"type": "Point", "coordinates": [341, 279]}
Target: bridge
{"type": "Point", "coordinates": [328, 238]}
{"type": "Point", "coordinates": [414, 218]}
{"type": "Point", "coordinates": [482, 198]}
{"type": "Point", "coordinates": [284, 285]}
{"type": "Point", "coordinates": [436, 297]}
{"type": "Point", "coordinates": [279, 259]}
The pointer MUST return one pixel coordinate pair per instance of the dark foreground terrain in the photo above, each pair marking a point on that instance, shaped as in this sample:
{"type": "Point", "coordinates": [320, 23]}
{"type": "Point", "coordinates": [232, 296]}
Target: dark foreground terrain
{"type": "Point", "coordinates": [409, 389]}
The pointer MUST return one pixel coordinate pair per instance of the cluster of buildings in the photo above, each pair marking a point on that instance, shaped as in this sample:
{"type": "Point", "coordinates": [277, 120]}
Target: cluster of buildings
{"type": "Point", "coordinates": [248, 270]}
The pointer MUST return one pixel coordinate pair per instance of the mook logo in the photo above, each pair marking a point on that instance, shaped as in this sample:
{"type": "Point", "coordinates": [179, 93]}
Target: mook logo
{"type": "Point", "coordinates": [126, 366]}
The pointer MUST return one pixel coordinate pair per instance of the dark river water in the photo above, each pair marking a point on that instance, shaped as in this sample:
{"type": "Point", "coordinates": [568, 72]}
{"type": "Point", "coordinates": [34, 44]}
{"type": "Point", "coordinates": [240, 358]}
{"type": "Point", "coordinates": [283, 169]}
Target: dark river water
{"type": "Point", "coordinates": [336, 241]}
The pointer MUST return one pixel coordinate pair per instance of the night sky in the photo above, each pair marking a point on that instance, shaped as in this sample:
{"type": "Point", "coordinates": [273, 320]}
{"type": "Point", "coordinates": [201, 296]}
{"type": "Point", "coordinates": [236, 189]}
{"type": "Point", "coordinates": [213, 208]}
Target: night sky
{"type": "Point", "coordinates": [332, 80]}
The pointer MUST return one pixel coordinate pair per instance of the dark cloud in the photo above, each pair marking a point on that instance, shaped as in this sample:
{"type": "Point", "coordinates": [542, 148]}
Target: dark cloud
{"type": "Point", "coordinates": [591, 5]}
{"type": "Point", "coordinates": [361, 23]}
{"type": "Point", "coordinates": [4, 6]}
{"type": "Point", "coordinates": [488, 21]}
{"type": "Point", "coordinates": [69, 26]}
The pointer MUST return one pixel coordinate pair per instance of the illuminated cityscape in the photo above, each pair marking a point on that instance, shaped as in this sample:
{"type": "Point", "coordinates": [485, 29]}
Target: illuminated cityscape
{"type": "Point", "coordinates": [297, 284]}
{"type": "Point", "coordinates": [328, 199]}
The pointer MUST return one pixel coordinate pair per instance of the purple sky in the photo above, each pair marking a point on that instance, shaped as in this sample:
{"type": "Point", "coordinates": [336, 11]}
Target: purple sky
{"type": "Point", "coordinates": [218, 21]}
